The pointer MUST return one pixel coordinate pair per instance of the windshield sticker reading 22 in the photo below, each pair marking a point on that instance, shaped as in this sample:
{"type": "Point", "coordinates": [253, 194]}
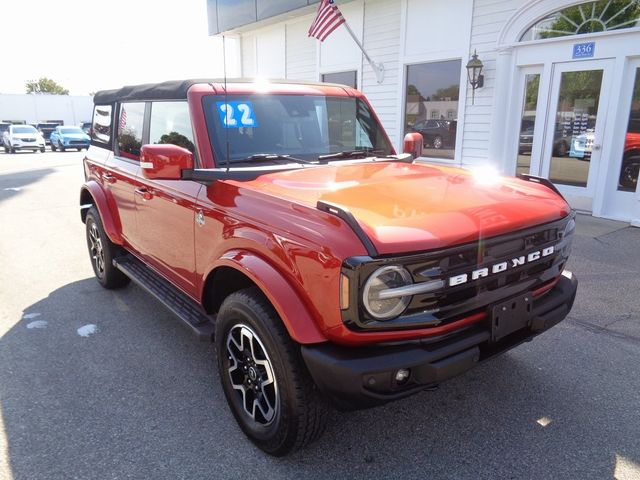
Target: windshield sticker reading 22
{"type": "Point", "coordinates": [236, 114]}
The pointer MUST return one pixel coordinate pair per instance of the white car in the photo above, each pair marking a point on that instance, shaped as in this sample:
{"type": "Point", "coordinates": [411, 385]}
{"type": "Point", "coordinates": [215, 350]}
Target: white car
{"type": "Point", "coordinates": [23, 137]}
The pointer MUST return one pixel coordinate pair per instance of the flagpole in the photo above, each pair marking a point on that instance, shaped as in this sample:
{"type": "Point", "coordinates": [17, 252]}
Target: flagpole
{"type": "Point", "coordinates": [378, 68]}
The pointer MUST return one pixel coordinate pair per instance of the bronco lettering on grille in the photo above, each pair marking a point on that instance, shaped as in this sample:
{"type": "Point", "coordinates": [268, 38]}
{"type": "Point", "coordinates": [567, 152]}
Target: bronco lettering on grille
{"type": "Point", "coordinates": [500, 267]}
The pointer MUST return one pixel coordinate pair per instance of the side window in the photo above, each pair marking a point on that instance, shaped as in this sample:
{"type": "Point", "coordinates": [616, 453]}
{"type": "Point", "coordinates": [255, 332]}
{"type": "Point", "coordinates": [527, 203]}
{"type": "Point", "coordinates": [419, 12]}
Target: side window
{"type": "Point", "coordinates": [170, 123]}
{"type": "Point", "coordinates": [101, 127]}
{"type": "Point", "coordinates": [130, 124]}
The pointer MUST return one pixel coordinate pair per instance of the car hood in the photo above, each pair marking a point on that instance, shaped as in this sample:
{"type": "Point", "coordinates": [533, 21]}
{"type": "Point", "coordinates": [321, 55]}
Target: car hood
{"type": "Point", "coordinates": [26, 135]}
{"type": "Point", "coordinates": [74, 136]}
{"type": "Point", "coordinates": [413, 207]}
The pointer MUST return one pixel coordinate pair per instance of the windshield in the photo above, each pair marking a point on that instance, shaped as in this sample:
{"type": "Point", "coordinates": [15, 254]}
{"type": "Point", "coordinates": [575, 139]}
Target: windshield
{"type": "Point", "coordinates": [24, 130]}
{"type": "Point", "coordinates": [300, 126]}
{"type": "Point", "coordinates": [70, 130]}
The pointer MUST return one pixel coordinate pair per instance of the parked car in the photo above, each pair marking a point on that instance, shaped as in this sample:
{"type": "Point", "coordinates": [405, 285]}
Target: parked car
{"type": "Point", "coordinates": [582, 145]}
{"type": "Point", "coordinates": [560, 141]}
{"type": "Point", "coordinates": [69, 137]}
{"type": "Point", "coordinates": [4, 132]}
{"type": "Point", "coordinates": [324, 266]}
{"type": "Point", "coordinates": [45, 129]}
{"type": "Point", "coordinates": [23, 137]}
{"type": "Point", "coordinates": [630, 163]}
{"type": "Point", "coordinates": [437, 133]}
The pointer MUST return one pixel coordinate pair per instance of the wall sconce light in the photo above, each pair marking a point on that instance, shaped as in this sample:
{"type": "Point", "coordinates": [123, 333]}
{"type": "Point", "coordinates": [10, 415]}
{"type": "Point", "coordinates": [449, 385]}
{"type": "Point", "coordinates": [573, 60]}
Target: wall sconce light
{"type": "Point", "coordinates": [474, 72]}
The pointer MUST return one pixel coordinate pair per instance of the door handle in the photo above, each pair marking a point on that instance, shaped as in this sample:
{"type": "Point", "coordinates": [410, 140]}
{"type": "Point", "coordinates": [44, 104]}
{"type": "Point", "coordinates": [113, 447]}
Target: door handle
{"type": "Point", "coordinates": [144, 193]}
{"type": "Point", "coordinates": [107, 177]}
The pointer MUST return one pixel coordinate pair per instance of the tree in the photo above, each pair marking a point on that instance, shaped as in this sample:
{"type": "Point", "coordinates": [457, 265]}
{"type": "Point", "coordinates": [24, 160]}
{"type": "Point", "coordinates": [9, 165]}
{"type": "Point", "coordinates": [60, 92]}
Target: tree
{"type": "Point", "coordinates": [46, 85]}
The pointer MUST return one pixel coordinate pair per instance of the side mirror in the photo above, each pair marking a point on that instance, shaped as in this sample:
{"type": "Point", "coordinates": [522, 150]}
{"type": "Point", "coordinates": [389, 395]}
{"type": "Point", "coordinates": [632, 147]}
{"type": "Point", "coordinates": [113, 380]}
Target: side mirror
{"type": "Point", "coordinates": [413, 143]}
{"type": "Point", "coordinates": [165, 161]}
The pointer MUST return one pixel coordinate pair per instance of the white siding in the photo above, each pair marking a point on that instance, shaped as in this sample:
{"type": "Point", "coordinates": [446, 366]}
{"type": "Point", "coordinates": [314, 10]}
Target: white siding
{"type": "Point", "coordinates": [72, 110]}
{"type": "Point", "coordinates": [270, 53]}
{"type": "Point", "coordinates": [382, 43]}
{"type": "Point", "coordinates": [248, 54]}
{"type": "Point", "coordinates": [489, 18]}
{"type": "Point", "coordinates": [302, 53]}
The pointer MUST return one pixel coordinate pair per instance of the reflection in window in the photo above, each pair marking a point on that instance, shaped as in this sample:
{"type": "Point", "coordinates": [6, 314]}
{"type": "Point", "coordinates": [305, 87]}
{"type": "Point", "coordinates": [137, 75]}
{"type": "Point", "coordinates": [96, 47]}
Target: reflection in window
{"type": "Point", "coordinates": [433, 88]}
{"type": "Point", "coordinates": [349, 78]}
{"type": "Point", "coordinates": [130, 124]}
{"type": "Point", "coordinates": [631, 158]}
{"type": "Point", "coordinates": [589, 17]}
{"type": "Point", "coordinates": [170, 123]}
{"type": "Point", "coordinates": [575, 123]}
{"type": "Point", "coordinates": [528, 122]}
{"type": "Point", "coordinates": [101, 127]}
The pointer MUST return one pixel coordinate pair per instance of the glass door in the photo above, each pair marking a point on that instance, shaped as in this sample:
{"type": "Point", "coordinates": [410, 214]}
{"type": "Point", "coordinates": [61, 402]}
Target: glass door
{"type": "Point", "coordinates": [575, 127]}
{"type": "Point", "coordinates": [622, 195]}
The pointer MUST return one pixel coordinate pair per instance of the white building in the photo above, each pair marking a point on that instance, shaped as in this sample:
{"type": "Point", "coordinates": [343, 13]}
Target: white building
{"type": "Point", "coordinates": [565, 72]}
{"type": "Point", "coordinates": [32, 108]}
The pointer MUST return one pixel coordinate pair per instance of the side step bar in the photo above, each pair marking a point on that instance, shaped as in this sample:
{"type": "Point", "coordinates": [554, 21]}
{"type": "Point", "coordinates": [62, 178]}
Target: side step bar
{"type": "Point", "coordinates": [188, 311]}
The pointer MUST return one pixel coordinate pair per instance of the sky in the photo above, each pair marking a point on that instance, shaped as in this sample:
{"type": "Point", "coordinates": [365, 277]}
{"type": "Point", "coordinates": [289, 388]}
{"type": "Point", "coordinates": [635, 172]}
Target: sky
{"type": "Point", "coordinates": [90, 45]}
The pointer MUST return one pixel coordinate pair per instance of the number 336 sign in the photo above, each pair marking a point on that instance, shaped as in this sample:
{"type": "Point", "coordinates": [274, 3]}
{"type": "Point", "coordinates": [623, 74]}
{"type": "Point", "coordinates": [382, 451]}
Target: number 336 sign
{"type": "Point", "coordinates": [584, 50]}
{"type": "Point", "coordinates": [236, 114]}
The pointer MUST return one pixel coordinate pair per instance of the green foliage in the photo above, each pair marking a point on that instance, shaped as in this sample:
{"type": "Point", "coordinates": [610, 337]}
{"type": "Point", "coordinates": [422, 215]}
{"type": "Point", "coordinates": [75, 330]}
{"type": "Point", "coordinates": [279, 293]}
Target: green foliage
{"type": "Point", "coordinates": [178, 139]}
{"type": "Point", "coordinates": [593, 17]}
{"type": "Point", "coordinates": [451, 92]}
{"type": "Point", "coordinates": [46, 85]}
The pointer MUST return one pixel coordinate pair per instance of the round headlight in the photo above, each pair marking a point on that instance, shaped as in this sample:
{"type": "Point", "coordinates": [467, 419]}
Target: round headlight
{"type": "Point", "coordinates": [386, 278]}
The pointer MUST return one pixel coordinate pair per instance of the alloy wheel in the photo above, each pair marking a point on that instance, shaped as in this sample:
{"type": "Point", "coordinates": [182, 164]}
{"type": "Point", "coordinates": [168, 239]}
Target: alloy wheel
{"type": "Point", "coordinates": [96, 249]}
{"type": "Point", "coordinates": [251, 375]}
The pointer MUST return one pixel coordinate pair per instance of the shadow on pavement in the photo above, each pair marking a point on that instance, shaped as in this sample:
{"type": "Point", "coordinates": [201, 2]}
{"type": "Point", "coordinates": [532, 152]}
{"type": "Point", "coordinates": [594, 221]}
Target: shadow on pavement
{"type": "Point", "coordinates": [11, 184]}
{"type": "Point", "coordinates": [139, 398]}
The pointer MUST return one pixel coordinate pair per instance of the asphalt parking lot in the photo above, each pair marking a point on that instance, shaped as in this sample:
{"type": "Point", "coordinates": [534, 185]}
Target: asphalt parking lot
{"type": "Point", "coordinates": [98, 384]}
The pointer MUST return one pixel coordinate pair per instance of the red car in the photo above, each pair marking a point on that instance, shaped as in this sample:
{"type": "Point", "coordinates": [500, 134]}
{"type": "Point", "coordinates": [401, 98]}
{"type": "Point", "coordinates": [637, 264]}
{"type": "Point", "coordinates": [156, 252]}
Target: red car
{"type": "Point", "coordinates": [630, 163]}
{"type": "Point", "coordinates": [278, 220]}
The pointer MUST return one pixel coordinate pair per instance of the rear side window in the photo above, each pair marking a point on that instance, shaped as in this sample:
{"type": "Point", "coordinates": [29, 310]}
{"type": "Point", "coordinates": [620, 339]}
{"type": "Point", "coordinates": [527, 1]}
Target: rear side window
{"type": "Point", "coordinates": [170, 123]}
{"type": "Point", "coordinates": [130, 124]}
{"type": "Point", "coordinates": [101, 130]}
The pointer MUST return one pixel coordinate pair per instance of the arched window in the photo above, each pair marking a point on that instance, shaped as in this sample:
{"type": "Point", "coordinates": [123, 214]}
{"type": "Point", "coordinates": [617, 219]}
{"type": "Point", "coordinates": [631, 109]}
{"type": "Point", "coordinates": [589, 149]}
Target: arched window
{"type": "Point", "coordinates": [589, 17]}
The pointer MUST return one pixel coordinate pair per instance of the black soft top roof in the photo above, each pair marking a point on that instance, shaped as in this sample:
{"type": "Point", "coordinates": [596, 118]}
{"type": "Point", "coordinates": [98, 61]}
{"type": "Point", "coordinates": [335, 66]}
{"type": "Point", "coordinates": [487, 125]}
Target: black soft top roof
{"type": "Point", "coordinates": [172, 90]}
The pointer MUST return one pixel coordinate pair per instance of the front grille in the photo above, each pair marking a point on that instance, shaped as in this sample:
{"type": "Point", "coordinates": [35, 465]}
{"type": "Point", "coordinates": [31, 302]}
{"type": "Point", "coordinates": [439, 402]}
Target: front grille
{"type": "Point", "coordinates": [455, 301]}
{"type": "Point", "coordinates": [26, 140]}
{"type": "Point", "coordinates": [77, 142]}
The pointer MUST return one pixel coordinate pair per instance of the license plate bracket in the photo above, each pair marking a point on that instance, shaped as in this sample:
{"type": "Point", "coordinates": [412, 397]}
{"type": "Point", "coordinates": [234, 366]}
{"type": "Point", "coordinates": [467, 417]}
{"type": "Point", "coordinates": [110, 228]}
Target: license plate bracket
{"type": "Point", "coordinates": [510, 315]}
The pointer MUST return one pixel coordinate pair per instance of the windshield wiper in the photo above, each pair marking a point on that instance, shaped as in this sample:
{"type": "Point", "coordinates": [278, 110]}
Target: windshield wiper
{"type": "Point", "coordinates": [350, 154]}
{"type": "Point", "coordinates": [279, 157]}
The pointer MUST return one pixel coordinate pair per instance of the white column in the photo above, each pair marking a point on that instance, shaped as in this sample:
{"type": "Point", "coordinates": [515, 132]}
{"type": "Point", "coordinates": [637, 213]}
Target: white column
{"type": "Point", "coordinates": [503, 93]}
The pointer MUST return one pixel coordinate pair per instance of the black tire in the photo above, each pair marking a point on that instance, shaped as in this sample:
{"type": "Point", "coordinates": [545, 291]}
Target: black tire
{"type": "Point", "coordinates": [295, 411]}
{"type": "Point", "coordinates": [629, 172]}
{"type": "Point", "coordinates": [62, 149]}
{"type": "Point", "coordinates": [12, 150]}
{"type": "Point", "coordinates": [102, 252]}
{"type": "Point", "coordinates": [42, 150]}
{"type": "Point", "coordinates": [53, 148]}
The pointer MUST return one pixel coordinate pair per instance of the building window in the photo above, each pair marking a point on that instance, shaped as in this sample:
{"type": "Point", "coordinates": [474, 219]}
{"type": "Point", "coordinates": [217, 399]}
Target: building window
{"type": "Point", "coordinates": [630, 168]}
{"type": "Point", "coordinates": [528, 122]}
{"type": "Point", "coordinates": [349, 78]}
{"type": "Point", "coordinates": [589, 17]}
{"type": "Point", "coordinates": [130, 123]}
{"type": "Point", "coordinates": [170, 123]}
{"type": "Point", "coordinates": [101, 127]}
{"type": "Point", "coordinates": [433, 88]}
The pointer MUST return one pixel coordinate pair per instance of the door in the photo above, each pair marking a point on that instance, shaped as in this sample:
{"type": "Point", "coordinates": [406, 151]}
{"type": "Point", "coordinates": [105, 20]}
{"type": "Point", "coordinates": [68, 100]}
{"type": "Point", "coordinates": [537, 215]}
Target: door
{"type": "Point", "coordinates": [621, 195]}
{"type": "Point", "coordinates": [165, 209]}
{"type": "Point", "coordinates": [121, 174]}
{"type": "Point", "coordinates": [574, 128]}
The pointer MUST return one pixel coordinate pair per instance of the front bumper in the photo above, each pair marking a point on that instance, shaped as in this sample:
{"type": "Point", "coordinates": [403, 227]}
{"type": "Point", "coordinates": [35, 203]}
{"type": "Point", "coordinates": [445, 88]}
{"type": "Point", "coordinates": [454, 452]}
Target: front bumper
{"type": "Point", "coordinates": [355, 378]}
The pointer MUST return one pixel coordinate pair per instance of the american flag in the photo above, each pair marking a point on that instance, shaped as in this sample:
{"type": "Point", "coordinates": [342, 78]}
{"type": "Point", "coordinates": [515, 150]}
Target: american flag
{"type": "Point", "coordinates": [327, 20]}
{"type": "Point", "coordinates": [123, 119]}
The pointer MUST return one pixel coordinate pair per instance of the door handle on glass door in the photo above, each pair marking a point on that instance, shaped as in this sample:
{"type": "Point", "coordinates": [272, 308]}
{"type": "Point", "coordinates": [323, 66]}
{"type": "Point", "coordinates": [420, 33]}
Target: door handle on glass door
{"type": "Point", "coordinates": [144, 193]}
